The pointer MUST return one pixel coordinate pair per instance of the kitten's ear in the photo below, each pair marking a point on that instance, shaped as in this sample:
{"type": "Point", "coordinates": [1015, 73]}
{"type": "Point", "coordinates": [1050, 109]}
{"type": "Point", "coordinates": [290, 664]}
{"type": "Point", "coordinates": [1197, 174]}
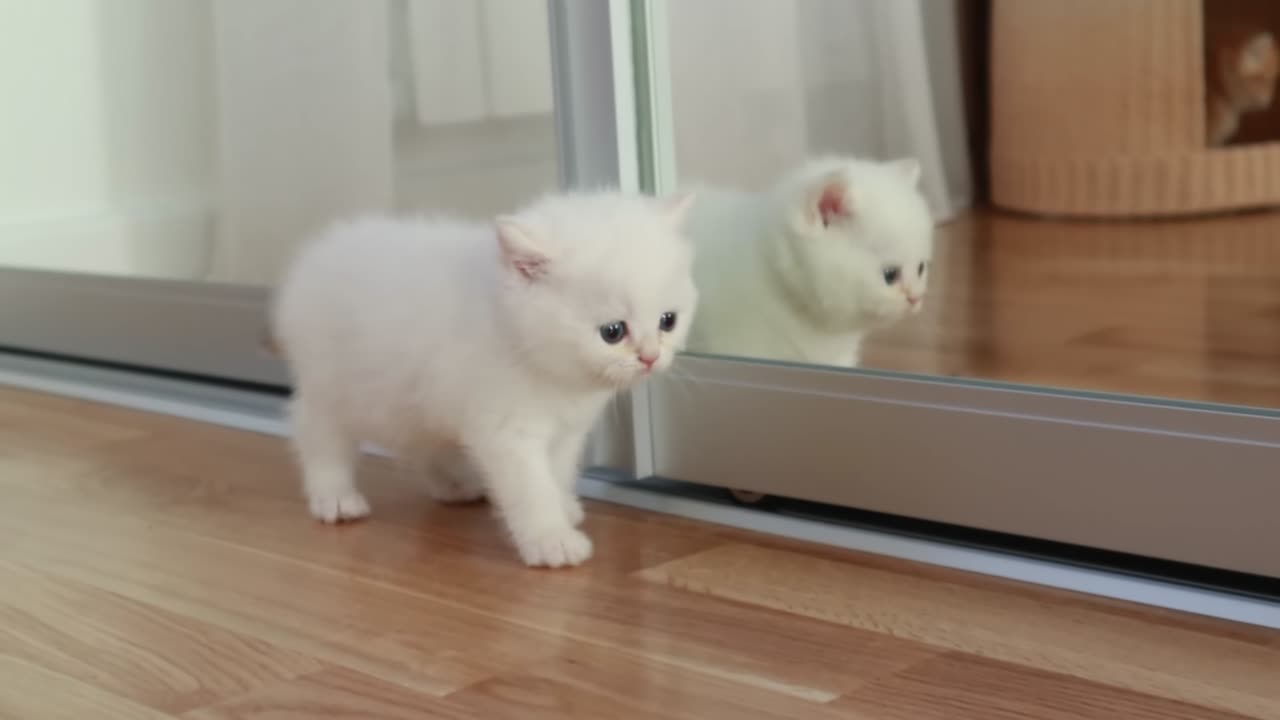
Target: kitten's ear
{"type": "Point", "coordinates": [908, 168]}
{"type": "Point", "coordinates": [519, 251]}
{"type": "Point", "coordinates": [677, 205]}
{"type": "Point", "coordinates": [830, 200]}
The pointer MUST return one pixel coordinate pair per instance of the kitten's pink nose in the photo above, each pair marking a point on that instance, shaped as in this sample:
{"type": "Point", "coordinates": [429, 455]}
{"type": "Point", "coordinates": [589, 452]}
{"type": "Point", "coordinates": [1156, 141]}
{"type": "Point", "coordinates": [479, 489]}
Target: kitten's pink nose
{"type": "Point", "coordinates": [647, 360]}
{"type": "Point", "coordinates": [913, 300]}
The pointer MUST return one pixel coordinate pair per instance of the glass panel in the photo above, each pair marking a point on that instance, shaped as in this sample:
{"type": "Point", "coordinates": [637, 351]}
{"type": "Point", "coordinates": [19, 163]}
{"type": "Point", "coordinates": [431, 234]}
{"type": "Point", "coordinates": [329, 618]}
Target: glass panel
{"type": "Point", "coordinates": [1083, 228]}
{"type": "Point", "coordinates": [201, 140]}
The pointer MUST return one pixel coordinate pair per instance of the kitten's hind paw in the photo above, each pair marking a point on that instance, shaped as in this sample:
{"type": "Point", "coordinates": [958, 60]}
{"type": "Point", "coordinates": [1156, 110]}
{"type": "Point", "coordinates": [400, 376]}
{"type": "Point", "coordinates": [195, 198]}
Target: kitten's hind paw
{"type": "Point", "coordinates": [339, 507]}
{"type": "Point", "coordinates": [561, 547]}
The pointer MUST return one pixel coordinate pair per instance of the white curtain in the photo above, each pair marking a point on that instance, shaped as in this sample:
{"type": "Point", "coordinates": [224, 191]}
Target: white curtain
{"type": "Point", "coordinates": [761, 85]}
{"type": "Point", "coordinates": [921, 96]}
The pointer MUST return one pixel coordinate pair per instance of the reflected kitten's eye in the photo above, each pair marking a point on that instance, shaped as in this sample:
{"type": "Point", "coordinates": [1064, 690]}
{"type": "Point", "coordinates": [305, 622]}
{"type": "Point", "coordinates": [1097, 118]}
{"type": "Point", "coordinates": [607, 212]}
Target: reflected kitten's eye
{"type": "Point", "coordinates": [891, 275]}
{"type": "Point", "coordinates": [613, 332]}
{"type": "Point", "coordinates": [667, 322]}
{"type": "Point", "coordinates": [920, 270]}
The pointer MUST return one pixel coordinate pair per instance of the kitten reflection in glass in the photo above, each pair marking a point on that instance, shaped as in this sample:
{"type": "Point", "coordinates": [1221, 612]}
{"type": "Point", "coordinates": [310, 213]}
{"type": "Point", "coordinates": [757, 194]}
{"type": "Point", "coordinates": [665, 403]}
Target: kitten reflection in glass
{"type": "Point", "coordinates": [802, 271]}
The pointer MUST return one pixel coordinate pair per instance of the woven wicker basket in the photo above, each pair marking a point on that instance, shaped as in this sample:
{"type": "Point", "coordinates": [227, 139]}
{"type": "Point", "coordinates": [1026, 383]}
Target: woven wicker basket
{"type": "Point", "coordinates": [1097, 110]}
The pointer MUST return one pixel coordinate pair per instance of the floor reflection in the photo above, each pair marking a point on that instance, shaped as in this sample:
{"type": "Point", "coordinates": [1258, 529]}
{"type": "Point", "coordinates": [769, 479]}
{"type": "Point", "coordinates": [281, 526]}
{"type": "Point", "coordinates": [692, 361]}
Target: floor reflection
{"type": "Point", "coordinates": [1185, 310]}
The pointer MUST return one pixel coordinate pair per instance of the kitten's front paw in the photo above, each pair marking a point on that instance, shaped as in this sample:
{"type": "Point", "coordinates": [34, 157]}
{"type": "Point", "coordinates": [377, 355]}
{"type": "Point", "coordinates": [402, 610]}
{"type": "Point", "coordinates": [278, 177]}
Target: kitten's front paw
{"type": "Point", "coordinates": [555, 548]}
{"type": "Point", "coordinates": [573, 510]}
{"type": "Point", "coordinates": [339, 507]}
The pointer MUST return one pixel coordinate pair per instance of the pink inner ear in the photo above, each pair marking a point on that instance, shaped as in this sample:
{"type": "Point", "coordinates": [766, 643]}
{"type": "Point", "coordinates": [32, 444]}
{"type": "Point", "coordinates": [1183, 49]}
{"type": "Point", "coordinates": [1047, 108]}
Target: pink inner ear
{"type": "Point", "coordinates": [831, 204]}
{"type": "Point", "coordinates": [519, 252]}
{"type": "Point", "coordinates": [531, 268]}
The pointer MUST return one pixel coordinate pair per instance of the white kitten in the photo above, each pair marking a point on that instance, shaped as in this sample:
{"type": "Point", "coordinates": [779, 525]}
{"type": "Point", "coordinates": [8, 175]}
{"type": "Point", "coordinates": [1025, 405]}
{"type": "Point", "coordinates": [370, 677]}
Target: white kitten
{"type": "Point", "coordinates": [483, 352]}
{"type": "Point", "coordinates": [803, 271]}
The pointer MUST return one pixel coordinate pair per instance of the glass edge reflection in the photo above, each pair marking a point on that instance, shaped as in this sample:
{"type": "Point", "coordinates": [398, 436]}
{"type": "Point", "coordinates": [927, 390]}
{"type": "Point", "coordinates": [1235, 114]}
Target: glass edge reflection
{"type": "Point", "coordinates": [979, 383]}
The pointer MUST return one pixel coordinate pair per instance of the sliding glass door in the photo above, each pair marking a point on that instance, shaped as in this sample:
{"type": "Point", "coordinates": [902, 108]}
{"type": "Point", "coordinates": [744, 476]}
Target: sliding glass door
{"type": "Point", "coordinates": [164, 159]}
{"type": "Point", "coordinates": [1106, 384]}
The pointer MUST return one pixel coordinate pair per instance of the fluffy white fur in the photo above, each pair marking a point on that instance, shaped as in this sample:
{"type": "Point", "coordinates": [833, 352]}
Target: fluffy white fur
{"type": "Point", "coordinates": [801, 272]}
{"type": "Point", "coordinates": [475, 351]}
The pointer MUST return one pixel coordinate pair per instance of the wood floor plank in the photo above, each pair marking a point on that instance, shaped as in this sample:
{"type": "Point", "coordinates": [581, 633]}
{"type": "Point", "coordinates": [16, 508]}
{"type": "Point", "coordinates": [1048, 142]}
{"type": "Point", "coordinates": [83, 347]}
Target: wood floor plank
{"type": "Point", "coordinates": [130, 649]}
{"type": "Point", "coordinates": [966, 687]}
{"type": "Point", "coordinates": [518, 609]}
{"type": "Point", "coordinates": [1049, 596]}
{"type": "Point", "coordinates": [29, 692]}
{"type": "Point", "coordinates": [1196, 668]}
{"type": "Point", "coordinates": [262, 487]}
{"type": "Point", "coordinates": [343, 621]}
{"type": "Point", "coordinates": [526, 697]}
{"type": "Point", "coordinates": [52, 421]}
{"type": "Point", "coordinates": [335, 693]}
{"type": "Point", "coordinates": [818, 662]}
{"type": "Point", "coordinates": [599, 682]}
{"type": "Point", "coordinates": [1182, 310]}
{"type": "Point", "coordinates": [143, 564]}
{"type": "Point", "coordinates": [242, 478]}
{"type": "Point", "coordinates": [805, 658]}
{"type": "Point", "coordinates": [808, 659]}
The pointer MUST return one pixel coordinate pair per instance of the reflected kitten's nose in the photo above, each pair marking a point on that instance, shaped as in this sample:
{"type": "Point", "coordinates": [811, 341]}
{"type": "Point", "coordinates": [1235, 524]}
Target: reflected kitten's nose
{"type": "Point", "coordinates": [913, 300]}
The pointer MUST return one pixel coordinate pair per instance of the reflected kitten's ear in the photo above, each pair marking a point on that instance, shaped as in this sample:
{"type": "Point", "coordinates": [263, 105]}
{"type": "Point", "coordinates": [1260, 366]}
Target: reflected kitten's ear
{"type": "Point", "coordinates": [676, 205]}
{"type": "Point", "coordinates": [908, 168]}
{"type": "Point", "coordinates": [1253, 60]}
{"type": "Point", "coordinates": [519, 251]}
{"type": "Point", "coordinates": [830, 200]}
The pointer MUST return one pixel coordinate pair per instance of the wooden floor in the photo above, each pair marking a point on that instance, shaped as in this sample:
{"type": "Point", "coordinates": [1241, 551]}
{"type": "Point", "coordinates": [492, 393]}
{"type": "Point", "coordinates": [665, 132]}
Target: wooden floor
{"type": "Point", "coordinates": [1184, 310]}
{"type": "Point", "coordinates": [155, 568]}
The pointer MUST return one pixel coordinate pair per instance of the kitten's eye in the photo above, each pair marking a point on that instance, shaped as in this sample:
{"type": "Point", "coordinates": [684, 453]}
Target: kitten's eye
{"type": "Point", "coordinates": [920, 270]}
{"type": "Point", "coordinates": [891, 275]}
{"type": "Point", "coordinates": [613, 332]}
{"type": "Point", "coordinates": [667, 322]}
